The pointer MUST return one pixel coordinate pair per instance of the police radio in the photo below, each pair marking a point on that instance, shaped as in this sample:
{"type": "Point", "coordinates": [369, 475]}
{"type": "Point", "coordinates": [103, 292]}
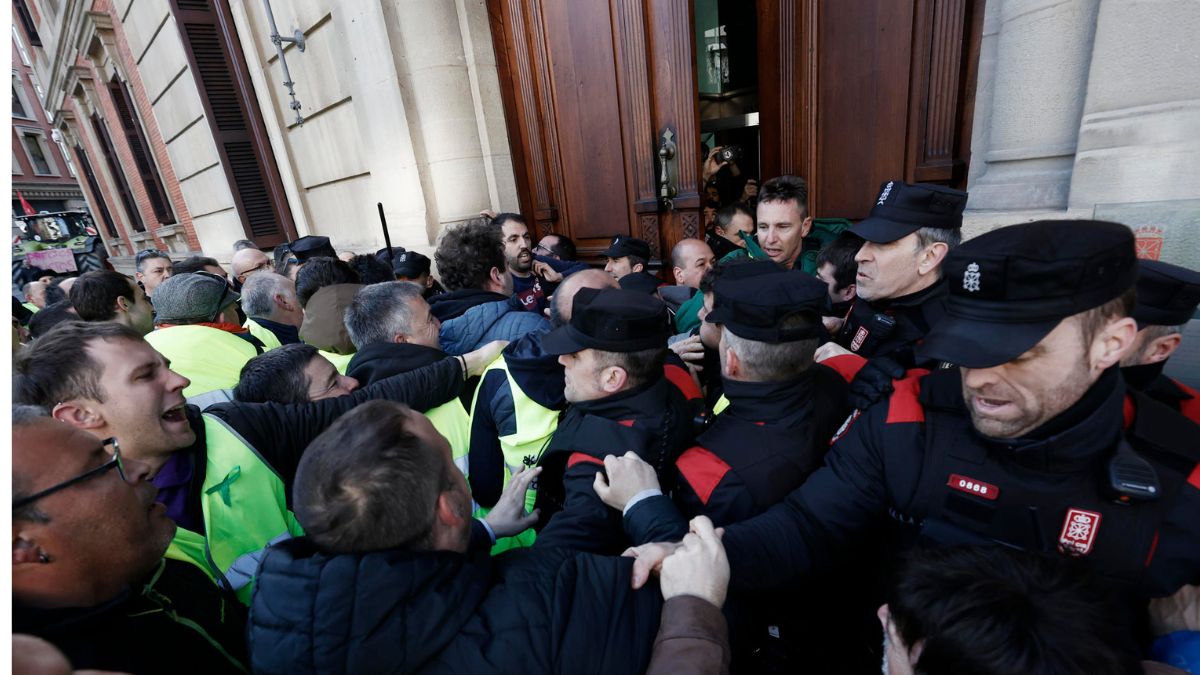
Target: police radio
{"type": "Point", "coordinates": [877, 329]}
{"type": "Point", "coordinates": [1131, 478]}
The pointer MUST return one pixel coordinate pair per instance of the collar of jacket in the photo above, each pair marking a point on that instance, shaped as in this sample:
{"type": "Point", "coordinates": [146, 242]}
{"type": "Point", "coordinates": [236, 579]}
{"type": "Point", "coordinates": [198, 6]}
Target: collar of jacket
{"type": "Point", "coordinates": [219, 325]}
{"type": "Point", "coordinates": [918, 299]}
{"type": "Point", "coordinates": [1141, 377]}
{"type": "Point", "coordinates": [286, 333]}
{"type": "Point", "coordinates": [29, 619]}
{"type": "Point", "coordinates": [384, 359]}
{"type": "Point", "coordinates": [640, 403]}
{"type": "Point", "coordinates": [773, 404]}
{"type": "Point", "coordinates": [456, 303]}
{"type": "Point", "coordinates": [1073, 439]}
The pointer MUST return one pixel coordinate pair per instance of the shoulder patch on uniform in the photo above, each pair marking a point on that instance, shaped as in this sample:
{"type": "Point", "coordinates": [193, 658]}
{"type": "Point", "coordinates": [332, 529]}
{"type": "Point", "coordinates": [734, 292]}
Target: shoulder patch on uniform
{"type": "Point", "coordinates": [846, 365]}
{"type": "Point", "coordinates": [845, 426]}
{"type": "Point", "coordinates": [581, 458]}
{"type": "Point", "coordinates": [683, 381]}
{"type": "Point", "coordinates": [702, 470]}
{"type": "Point", "coordinates": [905, 404]}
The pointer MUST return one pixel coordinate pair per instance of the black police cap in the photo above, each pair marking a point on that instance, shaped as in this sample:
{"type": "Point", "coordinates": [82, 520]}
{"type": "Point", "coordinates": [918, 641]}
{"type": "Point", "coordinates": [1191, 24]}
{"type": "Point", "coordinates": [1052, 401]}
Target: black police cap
{"type": "Point", "coordinates": [410, 264]}
{"type": "Point", "coordinates": [1010, 287]}
{"type": "Point", "coordinates": [902, 209]}
{"type": "Point", "coordinates": [312, 246]}
{"type": "Point", "coordinates": [1167, 295]}
{"type": "Point", "coordinates": [755, 305]}
{"type": "Point", "coordinates": [622, 246]}
{"type": "Point", "coordinates": [642, 282]}
{"type": "Point", "coordinates": [611, 320]}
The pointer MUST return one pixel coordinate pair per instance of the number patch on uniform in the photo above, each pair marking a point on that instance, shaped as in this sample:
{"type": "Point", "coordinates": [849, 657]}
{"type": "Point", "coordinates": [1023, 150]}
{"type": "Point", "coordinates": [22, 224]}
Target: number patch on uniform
{"type": "Point", "coordinates": [1079, 531]}
{"type": "Point", "coordinates": [973, 487]}
{"type": "Point", "coordinates": [859, 338]}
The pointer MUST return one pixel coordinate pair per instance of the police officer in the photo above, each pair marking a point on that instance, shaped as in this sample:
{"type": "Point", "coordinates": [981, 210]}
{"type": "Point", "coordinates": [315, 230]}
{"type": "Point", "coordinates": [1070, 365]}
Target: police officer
{"type": "Point", "coordinates": [1033, 442]}
{"type": "Point", "coordinates": [626, 256]}
{"type": "Point", "coordinates": [900, 296]}
{"type": "Point", "coordinates": [1167, 296]}
{"type": "Point", "coordinates": [312, 246]}
{"type": "Point", "coordinates": [612, 352]}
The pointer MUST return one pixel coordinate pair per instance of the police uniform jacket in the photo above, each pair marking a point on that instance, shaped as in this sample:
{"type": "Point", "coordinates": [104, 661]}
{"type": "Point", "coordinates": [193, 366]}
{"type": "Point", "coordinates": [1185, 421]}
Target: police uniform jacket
{"type": "Point", "coordinates": [913, 314]}
{"type": "Point", "coordinates": [1168, 391]}
{"type": "Point", "coordinates": [917, 457]}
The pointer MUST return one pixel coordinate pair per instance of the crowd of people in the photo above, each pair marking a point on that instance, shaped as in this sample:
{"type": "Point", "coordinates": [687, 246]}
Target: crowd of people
{"type": "Point", "coordinates": [890, 449]}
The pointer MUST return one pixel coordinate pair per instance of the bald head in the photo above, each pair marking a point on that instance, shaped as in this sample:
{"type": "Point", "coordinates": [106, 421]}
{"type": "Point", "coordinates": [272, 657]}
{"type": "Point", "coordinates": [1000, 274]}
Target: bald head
{"type": "Point", "coordinates": [248, 261]}
{"type": "Point", "coordinates": [691, 259]}
{"type": "Point", "coordinates": [564, 295]}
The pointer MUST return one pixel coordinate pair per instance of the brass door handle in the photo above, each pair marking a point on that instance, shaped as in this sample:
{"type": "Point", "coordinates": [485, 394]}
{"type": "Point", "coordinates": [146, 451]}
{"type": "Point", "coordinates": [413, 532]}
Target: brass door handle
{"type": "Point", "coordinates": [666, 160]}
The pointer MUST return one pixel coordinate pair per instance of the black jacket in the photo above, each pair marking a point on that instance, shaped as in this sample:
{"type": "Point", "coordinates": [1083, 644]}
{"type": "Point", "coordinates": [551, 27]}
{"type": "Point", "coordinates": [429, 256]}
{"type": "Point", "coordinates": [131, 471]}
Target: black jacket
{"type": "Point", "coordinates": [525, 611]}
{"type": "Point", "coordinates": [655, 421]}
{"type": "Point", "coordinates": [375, 362]}
{"type": "Point", "coordinates": [917, 457]}
{"type": "Point", "coordinates": [540, 377]}
{"type": "Point", "coordinates": [1150, 380]}
{"type": "Point", "coordinates": [178, 621]}
{"type": "Point", "coordinates": [913, 315]}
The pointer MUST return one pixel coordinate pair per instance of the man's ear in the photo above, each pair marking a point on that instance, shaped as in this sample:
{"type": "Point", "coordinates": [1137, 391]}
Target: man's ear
{"type": "Point", "coordinates": [848, 292]}
{"type": "Point", "coordinates": [25, 550]}
{"type": "Point", "coordinates": [733, 363]}
{"type": "Point", "coordinates": [447, 512]}
{"type": "Point", "coordinates": [805, 227]}
{"type": "Point", "coordinates": [637, 268]}
{"type": "Point", "coordinates": [122, 304]}
{"type": "Point", "coordinates": [678, 276]}
{"type": "Point", "coordinates": [613, 379]}
{"type": "Point", "coordinates": [1113, 342]}
{"type": "Point", "coordinates": [932, 257]}
{"type": "Point", "coordinates": [1161, 349]}
{"type": "Point", "coordinates": [79, 413]}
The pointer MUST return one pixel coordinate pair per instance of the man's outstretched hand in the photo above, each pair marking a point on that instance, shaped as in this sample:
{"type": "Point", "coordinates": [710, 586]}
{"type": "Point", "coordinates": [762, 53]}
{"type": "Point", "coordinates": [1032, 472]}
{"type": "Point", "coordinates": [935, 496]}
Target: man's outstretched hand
{"type": "Point", "coordinates": [509, 517]}
{"type": "Point", "coordinates": [699, 566]}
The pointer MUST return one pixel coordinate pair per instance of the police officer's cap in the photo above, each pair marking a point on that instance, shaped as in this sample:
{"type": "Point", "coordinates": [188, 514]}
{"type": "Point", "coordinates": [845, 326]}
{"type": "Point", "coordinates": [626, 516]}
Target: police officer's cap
{"type": "Point", "coordinates": [1167, 295]}
{"type": "Point", "coordinates": [382, 254]}
{"type": "Point", "coordinates": [640, 282]}
{"type": "Point", "coordinates": [901, 209]}
{"type": "Point", "coordinates": [312, 246]}
{"type": "Point", "coordinates": [410, 265]}
{"type": "Point", "coordinates": [1010, 287]}
{"type": "Point", "coordinates": [773, 306]}
{"type": "Point", "coordinates": [622, 246]}
{"type": "Point", "coordinates": [611, 320]}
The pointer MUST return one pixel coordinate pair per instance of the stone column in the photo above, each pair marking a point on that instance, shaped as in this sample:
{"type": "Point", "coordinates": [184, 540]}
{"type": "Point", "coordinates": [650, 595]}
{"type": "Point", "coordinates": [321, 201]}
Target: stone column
{"type": "Point", "coordinates": [1036, 57]}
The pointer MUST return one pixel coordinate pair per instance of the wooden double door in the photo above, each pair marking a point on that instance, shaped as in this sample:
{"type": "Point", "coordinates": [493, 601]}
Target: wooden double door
{"type": "Point", "coordinates": [607, 103]}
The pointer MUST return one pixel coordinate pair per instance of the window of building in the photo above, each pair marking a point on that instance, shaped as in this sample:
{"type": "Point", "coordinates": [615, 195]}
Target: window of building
{"type": "Point", "coordinates": [16, 165]}
{"type": "Point", "coordinates": [20, 46]}
{"type": "Point", "coordinates": [20, 104]}
{"type": "Point", "coordinates": [97, 195]}
{"type": "Point", "coordinates": [56, 135]}
{"type": "Point", "coordinates": [39, 153]}
{"type": "Point", "coordinates": [26, 20]}
{"type": "Point", "coordinates": [143, 157]}
{"type": "Point", "coordinates": [118, 176]}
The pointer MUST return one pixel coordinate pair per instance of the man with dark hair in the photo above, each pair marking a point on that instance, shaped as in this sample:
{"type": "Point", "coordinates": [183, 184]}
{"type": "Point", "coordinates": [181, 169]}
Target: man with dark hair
{"type": "Point", "coordinates": [838, 269]}
{"type": "Point", "coordinates": [95, 562]}
{"type": "Point", "coordinates": [993, 611]}
{"type": "Point", "coordinates": [625, 256]}
{"type": "Point", "coordinates": [198, 263]}
{"type": "Point", "coordinates": [479, 306]}
{"type": "Point", "coordinates": [1167, 296]}
{"type": "Point", "coordinates": [103, 295]}
{"type": "Point", "coordinates": [783, 219]}
{"type": "Point", "coordinates": [371, 270]}
{"type": "Point", "coordinates": [901, 296]}
{"type": "Point", "coordinates": [534, 277]}
{"type": "Point", "coordinates": [224, 474]}
{"type": "Point", "coordinates": [47, 319]}
{"type": "Point", "coordinates": [557, 246]}
{"type": "Point", "coordinates": [244, 244]}
{"type": "Point", "coordinates": [293, 373]}
{"type": "Point", "coordinates": [286, 263]}
{"type": "Point", "coordinates": [519, 400]}
{"type": "Point", "coordinates": [612, 352]}
{"type": "Point", "coordinates": [199, 332]}
{"type": "Point", "coordinates": [153, 267]}
{"type": "Point", "coordinates": [272, 307]}
{"type": "Point", "coordinates": [57, 289]}
{"type": "Point", "coordinates": [325, 287]}
{"type": "Point", "coordinates": [730, 224]}
{"type": "Point", "coordinates": [388, 522]}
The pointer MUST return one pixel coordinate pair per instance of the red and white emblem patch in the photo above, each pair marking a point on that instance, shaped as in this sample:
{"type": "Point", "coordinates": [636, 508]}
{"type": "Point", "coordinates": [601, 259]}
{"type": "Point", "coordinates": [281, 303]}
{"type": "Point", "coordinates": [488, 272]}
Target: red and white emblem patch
{"type": "Point", "coordinates": [1079, 531]}
{"type": "Point", "coordinates": [974, 487]}
{"type": "Point", "coordinates": [859, 338]}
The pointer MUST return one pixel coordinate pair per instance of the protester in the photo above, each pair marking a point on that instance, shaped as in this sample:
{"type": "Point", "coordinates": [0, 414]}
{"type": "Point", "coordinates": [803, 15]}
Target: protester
{"type": "Point", "coordinates": [273, 311]}
{"type": "Point", "coordinates": [837, 267]}
{"type": "Point", "coordinates": [35, 295]}
{"type": "Point", "coordinates": [52, 315]}
{"type": "Point", "coordinates": [558, 247]}
{"type": "Point", "coordinates": [245, 262]}
{"type": "Point", "coordinates": [325, 287]}
{"type": "Point", "coordinates": [731, 223]}
{"type": "Point", "coordinates": [242, 244]}
{"type": "Point", "coordinates": [783, 219]}
{"type": "Point", "coordinates": [198, 263]}
{"type": "Point", "coordinates": [1167, 297]}
{"type": "Point", "coordinates": [293, 373]}
{"type": "Point", "coordinates": [534, 277]}
{"type": "Point", "coordinates": [102, 295]}
{"type": "Point", "coordinates": [153, 268]}
{"type": "Point", "coordinates": [479, 306]}
{"type": "Point", "coordinates": [370, 269]}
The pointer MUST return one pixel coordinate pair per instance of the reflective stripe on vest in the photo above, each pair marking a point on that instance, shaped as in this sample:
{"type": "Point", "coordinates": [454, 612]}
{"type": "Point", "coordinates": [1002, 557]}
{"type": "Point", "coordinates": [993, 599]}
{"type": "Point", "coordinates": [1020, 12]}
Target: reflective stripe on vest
{"type": "Point", "coordinates": [210, 357]}
{"type": "Point", "coordinates": [339, 361]}
{"type": "Point", "coordinates": [721, 404]}
{"type": "Point", "coordinates": [203, 401]}
{"type": "Point", "coordinates": [244, 503]}
{"type": "Point", "coordinates": [264, 334]}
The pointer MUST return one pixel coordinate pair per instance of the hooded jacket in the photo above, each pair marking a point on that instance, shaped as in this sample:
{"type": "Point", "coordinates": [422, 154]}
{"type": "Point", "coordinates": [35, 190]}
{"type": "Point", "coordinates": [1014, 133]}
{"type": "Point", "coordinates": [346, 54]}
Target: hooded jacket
{"type": "Point", "coordinates": [525, 611]}
{"type": "Point", "coordinates": [473, 318]}
{"type": "Point", "coordinates": [324, 327]}
{"type": "Point", "coordinates": [383, 359]}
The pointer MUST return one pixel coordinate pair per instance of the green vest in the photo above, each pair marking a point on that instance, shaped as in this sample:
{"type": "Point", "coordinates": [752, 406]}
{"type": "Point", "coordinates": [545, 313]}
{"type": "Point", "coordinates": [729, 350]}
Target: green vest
{"type": "Point", "coordinates": [452, 421]}
{"type": "Point", "coordinates": [263, 334]}
{"type": "Point", "coordinates": [245, 507]}
{"type": "Point", "coordinates": [210, 357]}
{"type": "Point", "coordinates": [535, 425]}
{"type": "Point", "coordinates": [31, 307]}
{"type": "Point", "coordinates": [721, 404]}
{"type": "Point", "coordinates": [339, 361]}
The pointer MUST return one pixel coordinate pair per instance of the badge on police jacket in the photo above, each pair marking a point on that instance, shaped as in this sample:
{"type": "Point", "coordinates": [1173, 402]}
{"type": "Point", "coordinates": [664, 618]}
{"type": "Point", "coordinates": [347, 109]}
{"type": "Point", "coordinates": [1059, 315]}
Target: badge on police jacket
{"type": "Point", "coordinates": [1079, 531]}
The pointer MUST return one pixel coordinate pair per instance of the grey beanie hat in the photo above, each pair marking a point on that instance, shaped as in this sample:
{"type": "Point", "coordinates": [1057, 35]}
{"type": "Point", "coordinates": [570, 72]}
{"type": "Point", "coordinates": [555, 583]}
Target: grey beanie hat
{"type": "Point", "coordinates": [191, 298]}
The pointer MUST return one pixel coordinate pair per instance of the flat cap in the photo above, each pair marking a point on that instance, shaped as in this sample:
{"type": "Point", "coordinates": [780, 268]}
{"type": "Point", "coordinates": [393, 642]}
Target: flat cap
{"type": "Point", "coordinates": [611, 320]}
{"type": "Point", "coordinates": [198, 296]}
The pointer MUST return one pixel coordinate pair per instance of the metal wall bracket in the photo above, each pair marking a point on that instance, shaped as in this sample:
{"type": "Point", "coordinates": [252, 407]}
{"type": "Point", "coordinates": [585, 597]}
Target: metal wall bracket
{"type": "Point", "coordinates": [278, 40]}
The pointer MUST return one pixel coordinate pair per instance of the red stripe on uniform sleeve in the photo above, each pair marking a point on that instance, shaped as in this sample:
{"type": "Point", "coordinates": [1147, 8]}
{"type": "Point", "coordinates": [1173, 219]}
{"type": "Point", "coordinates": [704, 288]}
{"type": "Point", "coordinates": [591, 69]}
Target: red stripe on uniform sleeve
{"type": "Point", "coordinates": [846, 365]}
{"type": "Point", "coordinates": [702, 470]}
{"type": "Point", "coordinates": [1194, 479]}
{"type": "Point", "coordinates": [580, 458]}
{"type": "Point", "coordinates": [1128, 412]}
{"type": "Point", "coordinates": [905, 404]}
{"type": "Point", "coordinates": [683, 381]}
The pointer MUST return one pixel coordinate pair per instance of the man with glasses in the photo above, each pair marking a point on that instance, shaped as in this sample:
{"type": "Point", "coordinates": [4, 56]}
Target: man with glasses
{"type": "Point", "coordinates": [94, 562]}
{"type": "Point", "coordinates": [153, 268]}
{"type": "Point", "coordinates": [248, 261]}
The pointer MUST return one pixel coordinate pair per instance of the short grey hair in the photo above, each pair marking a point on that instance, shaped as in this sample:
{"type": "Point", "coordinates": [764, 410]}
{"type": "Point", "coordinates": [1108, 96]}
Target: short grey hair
{"type": "Point", "coordinates": [950, 236]}
{"type": "Point", "coordinates": [380, 311]}
{"type": "Point", "coordinates": [769, 362]}
{"type": "Point", "coordinates": [259, 291]}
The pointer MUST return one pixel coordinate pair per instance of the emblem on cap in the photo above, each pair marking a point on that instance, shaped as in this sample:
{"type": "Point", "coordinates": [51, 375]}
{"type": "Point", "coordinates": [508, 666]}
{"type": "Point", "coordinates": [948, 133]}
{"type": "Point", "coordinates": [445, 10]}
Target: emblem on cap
{"type": "Point", "coordinates": [1079, 531]}
{"type": "Point", "coordinates": [971, 277]}
{"type": "Point", "coordinates": [887, 190]}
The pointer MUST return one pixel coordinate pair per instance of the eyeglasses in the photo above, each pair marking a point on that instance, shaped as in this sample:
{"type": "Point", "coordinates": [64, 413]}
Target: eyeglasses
{"type": "Point", "coordinates": [542, 247]}
{"type": "Point", "coordinates": [114, 462]}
